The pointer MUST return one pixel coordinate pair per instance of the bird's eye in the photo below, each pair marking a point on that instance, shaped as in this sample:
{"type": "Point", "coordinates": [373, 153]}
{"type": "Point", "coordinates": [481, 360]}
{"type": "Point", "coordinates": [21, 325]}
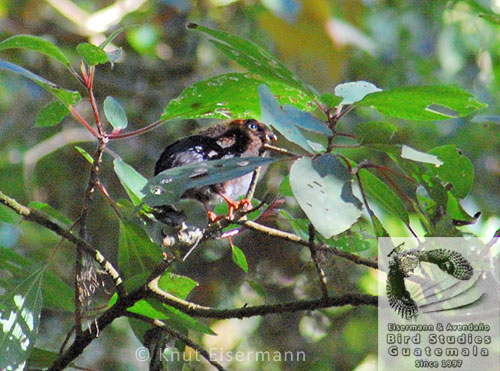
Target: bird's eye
{"type": "Point", "coordinates": [252, 125]}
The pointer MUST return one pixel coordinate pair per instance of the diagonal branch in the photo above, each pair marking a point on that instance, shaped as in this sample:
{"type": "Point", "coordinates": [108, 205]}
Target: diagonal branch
{"type": "Point", "coordinates": [40, 218]}
{"type": "Point", "coordinates": [315, 259]}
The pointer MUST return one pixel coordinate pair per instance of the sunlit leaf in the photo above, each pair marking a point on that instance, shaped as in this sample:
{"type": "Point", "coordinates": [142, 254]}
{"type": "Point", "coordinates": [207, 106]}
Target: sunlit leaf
{"type": "Point", "coordinates": [456, 169]}
{"type": "Point", "coordinates": [414, 155]}
{"type": "Point", "coordinates": [20, 311]}
{"type": "Point", "coordinates": [423, 102]}
{"type": "Point", "coordinates": [253, 58]}
{"type": "Point", "coordinates": [273, 115]}
{"type": "Point", "coordinates": [239, 258]}
{"type": "Point", "coordinates": [66, 96]}
{"type": "Point", "coordinates": [131, 180]}
{"type": "Point", "coordinates": [37, 44]}
{"type": "Point", "coordinates": [92, 54]}
{"type": "Point", "coordinates": [233, 95]}
{"type": "Point", "coordinates": [52, 114]}
{"type": "Point", "coordinates": [85, 154]}
{"type": "Point", "coordinates": [115, 114]}
{"type": "Point", "coordinates": [353, 92]}
{"type": "Point", "coordinates": [322, 187]}
{"type": "Point", "coordinates": [168, 186]}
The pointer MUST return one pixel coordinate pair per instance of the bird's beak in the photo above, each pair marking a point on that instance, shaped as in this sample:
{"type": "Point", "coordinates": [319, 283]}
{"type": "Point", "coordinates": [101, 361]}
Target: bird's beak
{"type": "Point", "coordinates": [270, 136]}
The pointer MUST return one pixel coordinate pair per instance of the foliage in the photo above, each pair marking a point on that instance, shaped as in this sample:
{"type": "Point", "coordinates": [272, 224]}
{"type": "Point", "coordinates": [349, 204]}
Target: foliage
{"type": "Point", "coordinates": [347, 152]}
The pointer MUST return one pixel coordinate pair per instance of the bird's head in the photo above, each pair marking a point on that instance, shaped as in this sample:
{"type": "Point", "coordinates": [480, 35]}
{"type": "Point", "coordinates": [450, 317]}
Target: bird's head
{"type": "Point", "coordinates": [255, 129]}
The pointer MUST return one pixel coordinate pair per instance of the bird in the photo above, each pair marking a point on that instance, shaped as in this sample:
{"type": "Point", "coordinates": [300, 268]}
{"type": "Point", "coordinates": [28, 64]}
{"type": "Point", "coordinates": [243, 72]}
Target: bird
{"type": "Point", "coordinates": [236, 138]}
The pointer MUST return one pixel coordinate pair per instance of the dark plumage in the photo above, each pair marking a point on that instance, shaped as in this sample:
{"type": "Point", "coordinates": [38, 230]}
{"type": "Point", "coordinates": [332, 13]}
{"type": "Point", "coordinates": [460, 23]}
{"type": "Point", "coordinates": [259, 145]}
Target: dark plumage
{"type": "Point", "coordinates": [238, 138]}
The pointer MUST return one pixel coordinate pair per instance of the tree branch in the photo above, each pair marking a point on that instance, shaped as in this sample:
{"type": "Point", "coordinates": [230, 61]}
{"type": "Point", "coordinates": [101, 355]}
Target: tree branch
{"type": "Point", "coordinates": [315, 259]}
{"type": "Point", "coordinates": [40, 218]}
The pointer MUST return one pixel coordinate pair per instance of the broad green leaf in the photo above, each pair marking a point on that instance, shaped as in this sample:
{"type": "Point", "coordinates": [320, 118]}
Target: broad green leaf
{"type": "Point", "coordinates": [52, 114]}
{"type": "Point", "coordinates": [92, 54]}
{"type": "Point", "coordinates": [115, 114]}
{"type": "Point", "coordinates": [383, 195]}
{"type": "Point", "coordinates": [456, 169]}
{"type": "Point", "coordinates": [330, 100]}
{"type": "Point", "coordinates": [375, 132]}
{"type": "Point", "coordinates": [233, 95]}
{"type": "Point", "coordinates": [253, 58]}
{"type": "Point", "coordinates": [136, 253]}
{"type": "Point", "coordinates": [19, 320]}
{"type": "Point", "coordinates": [37, 44]}
{"type": "Point", "coordinates": [457, 213]}
{"type": "Point", "coordinates": [87, 156]}
{"type": "Point", "coordinates": [414, 155]}
{"type": "Point", "coordinates": [305, 120]}
{"type": "Point", "coordinates": [323, 189]}
{"type": "Point", "coordinates": [57, 295]}
{"type": "Point", "coordinates": [177, 285]}
{"type": "Point", "coordinates": [131, 180]}
{"type": "Point", "coordinates": [285, 188]}
{"type": "Point", "coordinates": [239, 258]}
{"type": "Point", "coordinates": [168, 186]}
{"type": "Point", "coordinates": [273, 115]}
{"type": "Point", "coordinates": [185, 322]}
{"type": "Point", "coordinates": [258, 288]}
{"type": "Point", "coordinates": [66, 96]}
{"type": "Point", "coordinates": [352, 242]}
{"type": "Point", "coordinates": [353, 92]}
{"type": "Point", "coordinates": [492, 18]}
{"type": "Point", "coordinates": [423, 102]}
{"type": "Point", "coordinates": [50, 211]}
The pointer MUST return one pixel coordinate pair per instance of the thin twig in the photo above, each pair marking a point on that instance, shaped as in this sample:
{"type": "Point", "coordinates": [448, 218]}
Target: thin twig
{"type": "Point", "coordinates": [136, 132]}
{"type": "Point", "coordinates": [83, 121]}
{"type": "Point", "coordinates": [315, 259]}
{"type": "Point", "coordinates": [177, 335]}
{"type": "Point", "coordinates": [280, 150]}
{"type": "Point", "coordinates": [294, 238]}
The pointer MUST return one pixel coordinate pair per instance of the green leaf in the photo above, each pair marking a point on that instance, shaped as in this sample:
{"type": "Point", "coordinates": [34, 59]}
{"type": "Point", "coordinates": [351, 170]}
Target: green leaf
{"type": "Point", "coordinates": [457, 213]}
{"type": "Point", "coordinates": [183, 321]}
{"type": "Point", "coordinates": [258, 288]}
{"type": "Point", "coordinates": [375, 132]}
{"type": "Point", "coordinates": [177, 285]}
{"type": "Point", "coordinates": [57, 295]}
{"type": "Point", "coordinates": [456, 169]}
{"type": "Point", "coordinates": [85, 155]}
{"type": "Point", "coordinates": [353, 92]}
{"type": "Point", "coordinates": [42, 359]}
{"type": "Point", "coordinates": [322, 187]}
{"type": "Point", "coordinates": [253, 58]}
{"type": "Point", "coordinates": [330, 100]}
{"type": "Point", "coordinates": [383, 195]}
{"type": "Point", "coordinates": [19, 320]}
{"type": "Point", "coordinates": [92, 54]}
{"type": "Point", "coordinates": [66, 96]}
{"type": "Point", "coordinates": [131, 180]}
{"type": "Point", "coordinates": [9, 216]}
{"type": "Point", "coordinates": [414, 155]}
{"type": "Point", "coordinates": [233, 95]}
{"type": "Point", "coordinates": [50, 211]}
{"type": "Point", "coordinates": [491, 18]}
{"type": "Point", "coordinates": [37, 44]}
{"type": "Point", "coordinates": [273, 115]}
{"type": "Point", "coordinates": [168, 186]}
{"type": "Point", "coordinates": [285, 188]}
{"type": "Point", "coordinates": [239, 258]}
{"type": "Point", "coordinates": [115, 113]}
{"type": "Point", "coordinates": [115, 33]}
{"type": "Point", "coordinates": [423, 102]}
{"type": "Point", "coordinates": [136, 253]}
{"type": "Point", "coordinates": [52, 114]}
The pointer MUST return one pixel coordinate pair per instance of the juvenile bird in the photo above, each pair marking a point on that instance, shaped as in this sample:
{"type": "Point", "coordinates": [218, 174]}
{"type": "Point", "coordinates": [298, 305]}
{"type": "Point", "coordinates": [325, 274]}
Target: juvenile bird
{"type": "Point", "coordinates": [237, 138]}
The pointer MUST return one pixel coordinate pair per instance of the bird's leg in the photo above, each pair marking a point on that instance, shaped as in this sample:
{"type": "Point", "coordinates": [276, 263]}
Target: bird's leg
{"type": "Point", "coordinates": [235, 205]}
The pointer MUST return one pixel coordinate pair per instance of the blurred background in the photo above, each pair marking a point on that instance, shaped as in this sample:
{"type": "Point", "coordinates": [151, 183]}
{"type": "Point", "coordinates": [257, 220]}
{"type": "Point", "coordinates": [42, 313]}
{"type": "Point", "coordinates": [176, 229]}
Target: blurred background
{"type": "Point", "coordinates": [390, 43]}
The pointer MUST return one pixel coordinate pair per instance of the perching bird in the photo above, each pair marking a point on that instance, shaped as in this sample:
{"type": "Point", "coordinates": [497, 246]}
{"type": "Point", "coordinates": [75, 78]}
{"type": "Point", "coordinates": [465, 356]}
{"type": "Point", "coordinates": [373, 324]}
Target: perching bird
{"type": "Point", "coordinates": [237, 138]}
